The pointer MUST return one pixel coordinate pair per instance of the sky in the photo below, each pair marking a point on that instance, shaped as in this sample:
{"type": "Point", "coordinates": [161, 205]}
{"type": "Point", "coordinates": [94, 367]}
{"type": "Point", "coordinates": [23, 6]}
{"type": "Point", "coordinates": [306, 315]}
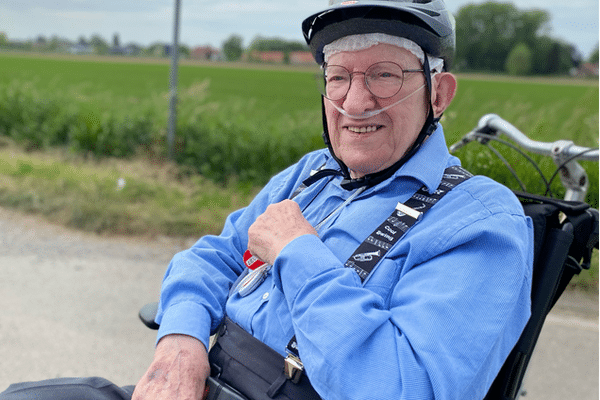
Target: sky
{"type": "Point", "coordinates": [208, 22]}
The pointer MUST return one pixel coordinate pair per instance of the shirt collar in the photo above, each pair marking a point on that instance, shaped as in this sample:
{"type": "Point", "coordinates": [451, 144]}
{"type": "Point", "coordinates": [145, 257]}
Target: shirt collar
{"type": "Point", "coordinates": [420, 166]}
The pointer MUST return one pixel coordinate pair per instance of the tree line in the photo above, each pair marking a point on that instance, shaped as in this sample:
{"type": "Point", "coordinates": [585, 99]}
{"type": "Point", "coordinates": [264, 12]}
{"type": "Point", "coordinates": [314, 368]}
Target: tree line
{"type": "Point", "coordinates": [490, 37]}
{"type": "Point", "coordinates": [498, 37]}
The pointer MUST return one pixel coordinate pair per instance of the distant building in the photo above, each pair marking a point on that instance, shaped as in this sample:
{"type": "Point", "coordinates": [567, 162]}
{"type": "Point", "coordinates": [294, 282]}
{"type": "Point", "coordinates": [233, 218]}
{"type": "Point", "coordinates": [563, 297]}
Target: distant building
{"type": "Point", "coordinates": [205, 53]}
{"type": "Point", "coordinates": [280, 57]}
{"type": "Point", "coordinates": [81, 49]}
{"type": "Point", "coordinates": [301, 57]}
{"type": "Point", "coordinates": [587, 70]}
{"type": "Point", "coordinates": [275, 57]}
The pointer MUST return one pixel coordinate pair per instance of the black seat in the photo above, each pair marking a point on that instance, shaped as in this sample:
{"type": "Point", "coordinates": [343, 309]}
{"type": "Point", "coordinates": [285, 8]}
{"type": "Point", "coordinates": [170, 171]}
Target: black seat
{"type": "Point", "coordinates": [565, 234]}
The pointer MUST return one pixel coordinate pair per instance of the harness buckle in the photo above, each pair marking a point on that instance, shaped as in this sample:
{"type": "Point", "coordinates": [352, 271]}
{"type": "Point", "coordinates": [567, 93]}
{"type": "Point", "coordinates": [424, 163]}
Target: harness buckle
{"type": "Point", "coordinates": [293, 368]}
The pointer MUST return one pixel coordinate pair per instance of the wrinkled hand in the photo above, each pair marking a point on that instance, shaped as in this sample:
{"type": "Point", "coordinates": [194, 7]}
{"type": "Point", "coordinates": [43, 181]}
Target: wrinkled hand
{"type": "Point", "coordinates": [179, 371]}
{"type": "Point", "coordinates": [275, 228]}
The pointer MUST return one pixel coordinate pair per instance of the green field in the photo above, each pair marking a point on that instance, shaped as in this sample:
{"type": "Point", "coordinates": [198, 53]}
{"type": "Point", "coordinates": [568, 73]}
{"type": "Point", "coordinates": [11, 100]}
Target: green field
{"type": "Point", "coordinates": [281, 90]}
{"type": "Point", "coordinates": [94, 79]}
{"type": "Point", "coordinates": [538, 107]}
{"type": "Point", "coordinates": [228, 113]}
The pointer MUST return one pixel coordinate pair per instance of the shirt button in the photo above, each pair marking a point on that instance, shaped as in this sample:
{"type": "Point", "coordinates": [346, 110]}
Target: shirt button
{"type": "Point", "coordinates": [265, 296]}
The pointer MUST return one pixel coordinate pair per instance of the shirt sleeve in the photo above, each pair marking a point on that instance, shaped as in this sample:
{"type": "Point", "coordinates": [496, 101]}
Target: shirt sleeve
{"type": "Point", "coordinates": [457, 305]}
{"type": "Point", "coordinates": [197, 281]}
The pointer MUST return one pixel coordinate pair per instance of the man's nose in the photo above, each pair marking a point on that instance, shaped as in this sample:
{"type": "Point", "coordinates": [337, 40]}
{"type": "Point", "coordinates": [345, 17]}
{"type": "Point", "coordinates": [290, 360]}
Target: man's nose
{"type": "Point", "coordinates": [359, 98]}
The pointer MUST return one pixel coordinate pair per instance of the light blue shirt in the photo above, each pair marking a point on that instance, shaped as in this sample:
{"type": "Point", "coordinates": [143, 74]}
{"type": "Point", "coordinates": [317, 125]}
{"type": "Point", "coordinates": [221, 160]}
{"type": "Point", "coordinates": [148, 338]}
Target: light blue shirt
{"type": "Point", "coordinates": [435, 319]}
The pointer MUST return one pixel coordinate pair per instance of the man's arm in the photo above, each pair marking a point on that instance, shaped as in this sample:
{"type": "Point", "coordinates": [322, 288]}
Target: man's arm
{"type": "Point", "coordinates": [179, 370]}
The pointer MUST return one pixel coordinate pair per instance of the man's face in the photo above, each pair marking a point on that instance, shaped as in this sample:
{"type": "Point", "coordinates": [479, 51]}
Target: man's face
{"type": "Point", "coordinates": [373, 144]}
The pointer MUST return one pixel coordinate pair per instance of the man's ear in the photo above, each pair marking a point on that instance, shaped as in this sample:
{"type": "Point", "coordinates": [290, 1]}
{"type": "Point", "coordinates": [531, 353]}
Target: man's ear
{"type": "Point", "coordinates": [444, 89]}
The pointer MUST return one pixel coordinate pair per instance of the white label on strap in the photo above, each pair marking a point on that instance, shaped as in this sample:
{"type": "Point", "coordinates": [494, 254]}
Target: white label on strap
{"type": "Point", "coordinates": [408, 211]}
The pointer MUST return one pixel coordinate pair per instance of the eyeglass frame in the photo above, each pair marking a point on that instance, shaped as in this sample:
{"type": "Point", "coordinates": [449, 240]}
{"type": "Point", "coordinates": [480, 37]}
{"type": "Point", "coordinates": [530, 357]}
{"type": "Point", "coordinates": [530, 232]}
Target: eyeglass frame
{"type": "Point", "coordinates": [322, 77]}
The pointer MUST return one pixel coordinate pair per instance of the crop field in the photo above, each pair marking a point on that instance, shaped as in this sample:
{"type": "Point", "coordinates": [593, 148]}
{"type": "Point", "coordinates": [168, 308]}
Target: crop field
{"type": "Point", "coordinates": [288, 91]}
{"type": "Point", "coordinates": [548, 107]}
{"type": "Point", "coordinates": [250, 121]}
{"type": "Point", "coordinates": [95, 79]}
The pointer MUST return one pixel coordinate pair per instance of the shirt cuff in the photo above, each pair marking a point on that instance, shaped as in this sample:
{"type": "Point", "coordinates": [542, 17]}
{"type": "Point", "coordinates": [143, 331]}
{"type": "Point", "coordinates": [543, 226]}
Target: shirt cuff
{"type": "Point", "coordinates": [186, 318]}
{"type": "Point", "coordinates": [300, 260]}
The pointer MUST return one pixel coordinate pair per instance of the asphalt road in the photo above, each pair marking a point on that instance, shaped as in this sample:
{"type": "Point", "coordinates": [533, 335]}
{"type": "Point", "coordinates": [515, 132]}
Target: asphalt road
{"type": "Point", "coordinates": [69, 305]}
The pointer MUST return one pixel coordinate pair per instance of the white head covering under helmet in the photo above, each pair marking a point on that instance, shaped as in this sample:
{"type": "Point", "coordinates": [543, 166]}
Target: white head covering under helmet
{"type": "Point", "coordinates": [367, 40]}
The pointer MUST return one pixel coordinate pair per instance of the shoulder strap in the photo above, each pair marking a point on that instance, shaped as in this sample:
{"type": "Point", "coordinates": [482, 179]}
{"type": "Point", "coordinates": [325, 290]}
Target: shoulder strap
{"type": "Point", "coordinates": [377, 244]}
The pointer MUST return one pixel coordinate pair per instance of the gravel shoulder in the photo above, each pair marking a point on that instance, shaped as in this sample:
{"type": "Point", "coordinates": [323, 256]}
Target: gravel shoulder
{"type": "Point", "coordinates": [70, 301]}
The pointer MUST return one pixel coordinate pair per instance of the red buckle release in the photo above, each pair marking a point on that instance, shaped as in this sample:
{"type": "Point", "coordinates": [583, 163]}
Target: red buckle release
{"type": "Point", "coordinates": [252, 262]}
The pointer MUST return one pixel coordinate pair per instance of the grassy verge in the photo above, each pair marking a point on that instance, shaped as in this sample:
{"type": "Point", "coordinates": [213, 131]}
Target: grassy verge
{"type": "Point", "coordinates": [134, 197]}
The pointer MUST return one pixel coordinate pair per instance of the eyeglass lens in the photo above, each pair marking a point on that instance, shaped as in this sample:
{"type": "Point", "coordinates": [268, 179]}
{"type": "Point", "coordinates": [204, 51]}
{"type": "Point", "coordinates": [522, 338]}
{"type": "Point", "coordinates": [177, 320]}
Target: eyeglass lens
{"type": "Point", "coordinates": [383, 80]}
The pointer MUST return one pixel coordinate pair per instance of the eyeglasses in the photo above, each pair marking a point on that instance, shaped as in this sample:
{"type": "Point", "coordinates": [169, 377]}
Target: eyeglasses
{"type": "Point", "coordinates": [383, 79]}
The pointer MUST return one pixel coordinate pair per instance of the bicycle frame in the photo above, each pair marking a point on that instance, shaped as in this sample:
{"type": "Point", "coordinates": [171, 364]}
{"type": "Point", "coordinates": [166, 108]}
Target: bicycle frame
{"type": "Point", "coordinates": [573, 176]}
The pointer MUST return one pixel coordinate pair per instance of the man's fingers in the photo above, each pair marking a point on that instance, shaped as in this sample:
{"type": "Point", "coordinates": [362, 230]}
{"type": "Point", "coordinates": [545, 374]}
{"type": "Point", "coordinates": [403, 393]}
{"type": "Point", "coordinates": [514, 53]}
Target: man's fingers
{"type": "Point", "coordinates": [275, 228]}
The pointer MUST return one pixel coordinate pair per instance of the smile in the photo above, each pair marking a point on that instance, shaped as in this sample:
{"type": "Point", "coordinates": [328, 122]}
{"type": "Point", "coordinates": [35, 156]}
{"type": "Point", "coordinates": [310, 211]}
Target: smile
{"type": "Point", "coordinates": [363, 129]}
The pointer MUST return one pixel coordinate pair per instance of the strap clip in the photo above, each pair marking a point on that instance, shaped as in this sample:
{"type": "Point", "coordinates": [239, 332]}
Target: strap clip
{"type": "Point", "coordinates": [293, 368]}
{"type": "Point", "coordinates": [411, 212]}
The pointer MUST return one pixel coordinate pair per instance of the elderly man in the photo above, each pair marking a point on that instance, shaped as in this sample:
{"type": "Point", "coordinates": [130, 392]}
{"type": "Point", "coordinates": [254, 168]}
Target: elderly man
{"type": "Point", "coordinates": [381, 272]}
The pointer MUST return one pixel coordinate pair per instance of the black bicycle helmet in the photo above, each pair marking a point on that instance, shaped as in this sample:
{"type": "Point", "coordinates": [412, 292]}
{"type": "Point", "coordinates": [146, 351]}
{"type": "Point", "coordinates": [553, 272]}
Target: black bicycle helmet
{"type": "Point", "coordinates": [428, 23]}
